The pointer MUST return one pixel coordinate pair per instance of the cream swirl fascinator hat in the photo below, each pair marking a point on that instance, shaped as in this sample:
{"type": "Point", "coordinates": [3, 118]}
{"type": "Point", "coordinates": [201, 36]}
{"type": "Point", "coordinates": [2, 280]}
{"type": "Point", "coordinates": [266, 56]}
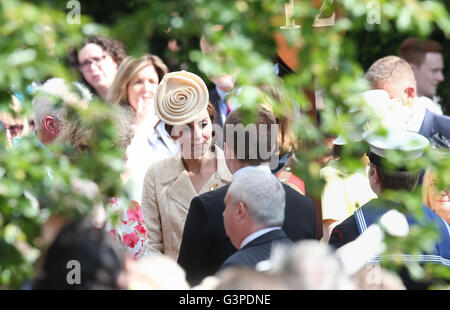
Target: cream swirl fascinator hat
{"type": "Point", "coordinates": [180, 98]}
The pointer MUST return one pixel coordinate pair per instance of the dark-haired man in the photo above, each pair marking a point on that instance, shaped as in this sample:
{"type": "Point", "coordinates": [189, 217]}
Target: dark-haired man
{"type": "Point", "coordinates": [205, 246]}
{"type": "Point", "coordinates": [425, 58]}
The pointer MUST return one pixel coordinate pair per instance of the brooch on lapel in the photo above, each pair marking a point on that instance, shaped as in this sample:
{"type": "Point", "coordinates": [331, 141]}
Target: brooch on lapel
{"type": "Point", "coordinates": [214, 187]}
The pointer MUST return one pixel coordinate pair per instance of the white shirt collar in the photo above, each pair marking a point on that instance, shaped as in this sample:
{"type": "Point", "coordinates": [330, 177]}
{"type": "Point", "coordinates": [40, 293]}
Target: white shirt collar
{"type": "Point", "coordinates": [256, 235]}
{"type": "Point", "coordinates": [260, 167]}
{"type": "Point", "coordinates": [276, 69]}
{"type": "Point", "coordinates": [431, 105]}
{"type": "Point", "coordinates": [417, 115]}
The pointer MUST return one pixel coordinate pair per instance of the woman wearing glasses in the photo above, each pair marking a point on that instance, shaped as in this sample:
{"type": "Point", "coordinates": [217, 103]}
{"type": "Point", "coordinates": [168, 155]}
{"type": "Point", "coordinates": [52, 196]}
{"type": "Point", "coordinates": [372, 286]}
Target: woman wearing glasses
{"type": "Point", "coordinates": [98, 61]}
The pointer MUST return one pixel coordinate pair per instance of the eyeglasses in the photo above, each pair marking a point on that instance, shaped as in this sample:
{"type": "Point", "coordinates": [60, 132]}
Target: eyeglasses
{"type": "Point", "coordinates": [15, 130]}
{"type": "Point", "coordinates": [95, 60]}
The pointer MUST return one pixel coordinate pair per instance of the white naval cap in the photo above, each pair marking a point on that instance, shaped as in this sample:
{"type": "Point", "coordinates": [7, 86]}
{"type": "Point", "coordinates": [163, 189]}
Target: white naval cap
{"type": "Point", "coordinates": [410, 144]}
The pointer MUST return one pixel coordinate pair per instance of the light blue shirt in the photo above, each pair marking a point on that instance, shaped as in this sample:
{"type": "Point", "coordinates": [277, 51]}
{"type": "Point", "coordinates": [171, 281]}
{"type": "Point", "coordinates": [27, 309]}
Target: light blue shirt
{"type": "Point", "coordinates": [161, 143]}
{"type": "Point", "coordinates": [257, 234]}
{"type": "Point", "coordinates": [222, 104]}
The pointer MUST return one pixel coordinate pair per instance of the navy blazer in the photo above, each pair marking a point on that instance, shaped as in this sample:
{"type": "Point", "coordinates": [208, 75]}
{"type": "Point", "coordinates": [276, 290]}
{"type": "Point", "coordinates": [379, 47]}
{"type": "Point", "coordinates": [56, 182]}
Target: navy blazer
{"type": "Point", "coordinates": [257, 250]}
{"type": "Point", "coordinates": [214, 98]}
{"type": "Point", "coordinates": [434, 123]}
{"type": "Point", "coordinates": [348, 231]}
{"type": "Point", "coordinates": [205, 245]}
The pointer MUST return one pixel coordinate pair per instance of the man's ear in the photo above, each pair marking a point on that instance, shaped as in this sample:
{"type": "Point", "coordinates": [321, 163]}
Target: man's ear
{"type": "Point", "coordinates": [410, 92]}
{"type": "Point", "coordinates": [241, 210]}
{"type": "Point", "coordinates": [374, 173]}
{"type": "Point", "coordinates": [408, 95]}
{"type": "Point", "coordinates": [51, 125]}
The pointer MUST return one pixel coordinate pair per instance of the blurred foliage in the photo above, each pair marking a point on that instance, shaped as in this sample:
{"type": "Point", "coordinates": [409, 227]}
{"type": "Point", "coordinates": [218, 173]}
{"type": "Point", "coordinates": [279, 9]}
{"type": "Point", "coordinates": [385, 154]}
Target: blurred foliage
{"type": "Point", "coordinates": [245, 36]}
{"type": "Point", "coordinates": [37, 182]}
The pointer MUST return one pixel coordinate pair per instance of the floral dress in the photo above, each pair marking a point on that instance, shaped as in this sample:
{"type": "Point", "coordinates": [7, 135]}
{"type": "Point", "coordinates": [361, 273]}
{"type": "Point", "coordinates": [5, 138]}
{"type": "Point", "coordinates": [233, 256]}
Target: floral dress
{"type": "Point", "coordinates": [130, 228]}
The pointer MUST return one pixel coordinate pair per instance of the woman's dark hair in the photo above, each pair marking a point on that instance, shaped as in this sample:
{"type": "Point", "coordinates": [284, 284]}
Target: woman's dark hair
{"type": "Point", "coordinates": [100, 259]}
{"type": "Point", "coordinates": [113, 47]}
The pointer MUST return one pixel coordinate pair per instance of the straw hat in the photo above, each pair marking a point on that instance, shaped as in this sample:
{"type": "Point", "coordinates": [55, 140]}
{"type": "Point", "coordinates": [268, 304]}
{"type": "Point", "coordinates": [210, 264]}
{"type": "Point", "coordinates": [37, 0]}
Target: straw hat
{"type": "Point", "coordinates": [180, 98]}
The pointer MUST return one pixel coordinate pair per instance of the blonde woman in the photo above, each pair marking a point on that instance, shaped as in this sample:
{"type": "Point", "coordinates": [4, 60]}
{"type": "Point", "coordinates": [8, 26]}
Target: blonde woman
{"type": "Point", "coordinates": [182, 102]}
{"type": "Point", "coordinates": [134, 88]}
{"type": "Point", "coordinates": [437, 211]}
{"type": "Point", "coordinates": [15, 127]}
{"type": "Point", "coordinates": [434, 198]}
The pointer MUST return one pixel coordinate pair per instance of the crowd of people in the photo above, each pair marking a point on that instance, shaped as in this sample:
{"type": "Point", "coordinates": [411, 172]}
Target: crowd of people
{"type": "Point", "coordinates": [210, 213]}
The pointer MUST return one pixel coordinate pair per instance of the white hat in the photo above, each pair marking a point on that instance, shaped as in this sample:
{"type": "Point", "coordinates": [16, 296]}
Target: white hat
{"type": "Point", "coordinates": [411, 144]}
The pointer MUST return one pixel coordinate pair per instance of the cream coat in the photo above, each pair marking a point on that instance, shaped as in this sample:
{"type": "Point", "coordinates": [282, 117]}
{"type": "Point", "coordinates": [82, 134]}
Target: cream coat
{"type": "Point", "coordinates": [166, 198]}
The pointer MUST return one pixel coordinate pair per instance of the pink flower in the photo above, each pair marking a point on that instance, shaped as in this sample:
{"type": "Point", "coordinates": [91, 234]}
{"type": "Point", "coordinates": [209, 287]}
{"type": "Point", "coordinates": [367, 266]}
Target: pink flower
{"type": "Point", "coordinates": [134, 213]}
{"type": "Point", "coordinates": [130, 240]}
{"type": "Point", "coordinates": [141, 229]}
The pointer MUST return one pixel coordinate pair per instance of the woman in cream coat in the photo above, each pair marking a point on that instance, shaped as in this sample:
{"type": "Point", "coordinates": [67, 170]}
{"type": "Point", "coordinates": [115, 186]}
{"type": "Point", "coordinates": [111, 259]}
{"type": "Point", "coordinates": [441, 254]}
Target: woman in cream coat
{"type": "Point", "coordinates": [182, 103]}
